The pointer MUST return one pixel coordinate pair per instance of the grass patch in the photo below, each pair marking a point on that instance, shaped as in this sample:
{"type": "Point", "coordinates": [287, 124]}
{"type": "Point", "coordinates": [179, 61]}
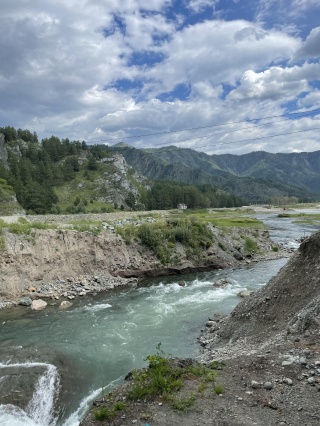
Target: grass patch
{"type": "Point", "coordinates": [242, 222]}
{"type": "Point", "coordinates": [2, 243]}
{"type": "Point", "coordinates": [95, 227]}
{"type": "Point", "coordinates": [104, 413]}
{"type": "Point", "coordinates": [250, 246]}
{"type": "Point", "coordinates": [165, 378]}
{"type": "Point", "coordinates": [218, 389]}
{"type": "Point", "coordinates": [177, 382]}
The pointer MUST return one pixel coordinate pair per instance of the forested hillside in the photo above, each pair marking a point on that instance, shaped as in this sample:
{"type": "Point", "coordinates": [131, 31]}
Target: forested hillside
{"type": "Point", "coordinates": [63, 176]}
{"type": "Point", "coordinates": [228, 172]}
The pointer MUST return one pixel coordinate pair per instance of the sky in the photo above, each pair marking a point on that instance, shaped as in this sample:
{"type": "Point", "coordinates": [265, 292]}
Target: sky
{"type": "Point", "coordinates": [218, 76]}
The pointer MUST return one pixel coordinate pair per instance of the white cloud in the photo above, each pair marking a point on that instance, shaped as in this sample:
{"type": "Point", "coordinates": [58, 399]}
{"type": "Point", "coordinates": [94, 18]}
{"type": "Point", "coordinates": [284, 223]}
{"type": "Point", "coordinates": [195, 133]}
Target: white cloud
{"type": "Point", "coordinates": [209, 51]}
{"type": "Point", "coordinates": [58, 72]}
{"type": "Point", "coordinates": [198, 5]}
{"type": "Point", "coordinates": [276, 83]}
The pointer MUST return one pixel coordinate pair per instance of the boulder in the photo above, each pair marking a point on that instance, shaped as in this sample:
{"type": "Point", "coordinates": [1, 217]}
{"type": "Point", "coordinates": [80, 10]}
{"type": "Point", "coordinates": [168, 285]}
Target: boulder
{"type": "Point", "coordinates": [245, 293]}
{"type": "Point", "coordinates": [25, 301]}
{"type": "Point", "coordinates": [38, 305]}
{"type": "Point", "coordinates": [65, 304]}
{"type": "Point", "coordinates": [221, 283]}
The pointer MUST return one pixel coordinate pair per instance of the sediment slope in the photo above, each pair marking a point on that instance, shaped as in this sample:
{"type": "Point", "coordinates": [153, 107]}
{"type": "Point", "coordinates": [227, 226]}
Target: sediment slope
{"type": "Point", "coordinates": [289, 304]}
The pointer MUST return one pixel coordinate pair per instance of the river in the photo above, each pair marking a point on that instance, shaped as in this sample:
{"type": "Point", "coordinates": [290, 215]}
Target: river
{"type": "Point", "coordinates": [68, 357]}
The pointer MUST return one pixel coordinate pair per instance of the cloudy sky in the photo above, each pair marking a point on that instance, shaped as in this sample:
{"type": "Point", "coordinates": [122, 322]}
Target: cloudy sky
{"type": "Point", "coordinates": [213, 75]}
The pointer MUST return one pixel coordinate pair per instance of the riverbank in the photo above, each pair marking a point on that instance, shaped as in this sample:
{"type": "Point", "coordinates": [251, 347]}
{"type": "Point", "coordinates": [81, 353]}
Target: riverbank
{"type": "Point", "coordinates": [270, 350]}
{"type": "Point", "coordinates": [63, 263]}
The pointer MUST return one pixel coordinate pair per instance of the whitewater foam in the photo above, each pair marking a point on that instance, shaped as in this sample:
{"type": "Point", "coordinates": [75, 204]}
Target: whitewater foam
{"type": "Point", "coordinates": [39, 411]}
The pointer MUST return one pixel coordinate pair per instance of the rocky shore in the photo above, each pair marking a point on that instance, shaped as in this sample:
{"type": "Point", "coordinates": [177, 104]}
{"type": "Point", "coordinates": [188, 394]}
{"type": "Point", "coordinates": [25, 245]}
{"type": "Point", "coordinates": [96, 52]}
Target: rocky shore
{"type": "Point", "coordinates": [269, 347]}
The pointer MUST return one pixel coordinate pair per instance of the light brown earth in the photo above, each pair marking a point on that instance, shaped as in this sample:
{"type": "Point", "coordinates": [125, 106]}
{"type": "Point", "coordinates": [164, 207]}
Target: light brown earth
{"type": "Point", "coordinates": [52, 262]}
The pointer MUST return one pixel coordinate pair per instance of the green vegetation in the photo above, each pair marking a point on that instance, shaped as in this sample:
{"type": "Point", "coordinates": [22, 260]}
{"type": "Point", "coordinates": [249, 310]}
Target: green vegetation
{"type": "Point", "coordinates": [307, 218]}
{"type": "Point", "coordinates": [165, 377]}
{"type": "Point", "coordinates": [243, 222]}
{"type": "Point", "coordinates": [94, 227]}
{"type": "Point", "coordinates": [23, 227]}
{"type": "Point", "coordinates": [218, 389]}
{"type": "Point", "coordinates": [8, 202]}
{"type": "Point", "coordinates": [165, 195]}
{"type": "Point", "coordinates": [250, 246]}
{"type": "Point", "coordinates": [104, 413]}
{"type": "Point", "coordinates": [162, 236]}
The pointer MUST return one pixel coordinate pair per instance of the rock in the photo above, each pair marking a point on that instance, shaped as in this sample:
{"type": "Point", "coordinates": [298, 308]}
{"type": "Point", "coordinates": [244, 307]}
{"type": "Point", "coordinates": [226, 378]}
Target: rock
{"type": "Point", "coordinates": [38, 305]}
{"type": "Point", "coordinates": [32, 289]}
{"type": "Point", "coordinates": [311, 380]}
{"type": "Point", "coordinates": [25, 301]}
{"type": "Point", "coordinates": [302, 361]}
{"type": "Point", "coordinates": [287, 381]}
{"type": "Point", "coordinates": [255, 385]}
{"type": "Point", "coordinates": [245, 293]}
{"type": "Point", "coordinates": [70, 297]}
{"type": "Point", "coordinates": [65, 304]}
{"type": "Point", "coordinates": [268, 385]}
{"type": "Point", "coordinates": [221, 283]}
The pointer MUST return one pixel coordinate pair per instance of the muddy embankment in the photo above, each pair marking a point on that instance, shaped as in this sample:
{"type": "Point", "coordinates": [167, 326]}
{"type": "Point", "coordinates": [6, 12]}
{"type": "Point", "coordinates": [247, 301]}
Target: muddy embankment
{"type": "Point", "coordinates": [52, 263]}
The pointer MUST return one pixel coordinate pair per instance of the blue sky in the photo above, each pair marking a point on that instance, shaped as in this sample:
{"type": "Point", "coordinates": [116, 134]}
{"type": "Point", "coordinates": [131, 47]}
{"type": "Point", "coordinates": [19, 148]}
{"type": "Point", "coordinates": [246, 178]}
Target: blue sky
{"type": "Point", "coordinates": [190, 73]}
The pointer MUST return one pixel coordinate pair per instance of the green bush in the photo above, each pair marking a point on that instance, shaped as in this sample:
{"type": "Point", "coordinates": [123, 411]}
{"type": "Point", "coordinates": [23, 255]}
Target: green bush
{"type": "Point", "coordinates": [250, 245]}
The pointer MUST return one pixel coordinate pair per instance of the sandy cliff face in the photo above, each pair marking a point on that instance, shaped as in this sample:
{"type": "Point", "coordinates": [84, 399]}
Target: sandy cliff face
{"type": "Point", "coordinates": [47, 255]}
{"type": "Point", "coordinates": [57, 254]}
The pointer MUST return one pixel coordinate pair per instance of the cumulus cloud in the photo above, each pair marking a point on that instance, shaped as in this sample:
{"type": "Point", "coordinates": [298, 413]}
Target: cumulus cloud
{"type": "Point", "coordinates": [82, 69]}
{"type": "Point", "coordinates": [276, 83]}
{"type": "Point", "coordinates": [211, 51]}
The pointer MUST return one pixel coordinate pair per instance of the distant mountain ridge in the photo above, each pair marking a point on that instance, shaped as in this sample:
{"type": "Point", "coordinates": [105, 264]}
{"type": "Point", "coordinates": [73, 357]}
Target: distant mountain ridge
{"type": "Point", "coordinates": [257, 176]}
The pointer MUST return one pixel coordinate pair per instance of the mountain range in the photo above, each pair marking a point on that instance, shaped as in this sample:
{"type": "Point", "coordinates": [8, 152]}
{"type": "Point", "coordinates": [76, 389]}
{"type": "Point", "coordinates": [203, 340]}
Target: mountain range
{"type": "Point", "coordinates": [256, 176]}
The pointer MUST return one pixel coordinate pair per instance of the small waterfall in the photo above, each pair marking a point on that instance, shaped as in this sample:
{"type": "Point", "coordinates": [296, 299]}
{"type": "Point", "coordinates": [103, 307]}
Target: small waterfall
{"type": "Point", "coordinates": [40, 408]}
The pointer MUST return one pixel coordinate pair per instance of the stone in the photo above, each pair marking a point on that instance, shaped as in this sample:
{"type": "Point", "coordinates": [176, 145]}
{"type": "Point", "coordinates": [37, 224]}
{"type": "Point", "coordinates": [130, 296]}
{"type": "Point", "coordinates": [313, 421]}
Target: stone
{"type": "Point", "coordinates": [255, 385]}
{"type": "Point", "coordinates": [302, 361]}
{"type": "Point", "coordinates": [245, 293]}
{"type": "Point", "coordinates": [311, 380]}
{"type": "Point", "coordinates": [65, 304]}
{"type": "Point", "coordinates": [268, 385]}
{"type": "Point", "coordinates": [38, 305]}
{"type": "Point", "coordinates": [70, 297]}
{"type": "Point", "coordinates": [221, 283]}
{"type": "Point", "coordinates": [25, 301]}
{"type": "Point", "coordinates": [287, 381]}
{"type": "Point", "coordinates": [32, 289]}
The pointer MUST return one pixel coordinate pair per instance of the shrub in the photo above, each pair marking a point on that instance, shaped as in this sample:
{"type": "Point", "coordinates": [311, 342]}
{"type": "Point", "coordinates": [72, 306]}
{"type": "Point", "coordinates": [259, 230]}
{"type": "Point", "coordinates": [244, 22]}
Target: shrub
{"type": "Point", "coordinates": [250, 245]}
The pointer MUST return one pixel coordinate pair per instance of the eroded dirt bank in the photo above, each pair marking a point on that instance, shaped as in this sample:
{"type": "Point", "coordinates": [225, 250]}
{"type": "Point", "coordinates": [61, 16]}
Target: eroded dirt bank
{"type": "Point", "coordinates": [54, 263]}
{"type": "Point", "coordinates": [270, 348]}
